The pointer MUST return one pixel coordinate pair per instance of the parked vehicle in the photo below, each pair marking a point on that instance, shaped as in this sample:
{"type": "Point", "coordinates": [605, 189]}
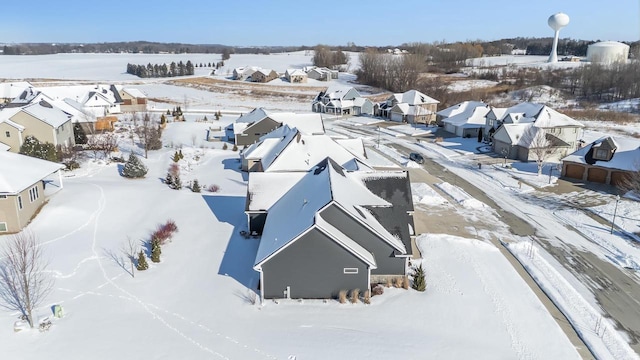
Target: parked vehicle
{"type": "Point", "coordinates": [416, 158]}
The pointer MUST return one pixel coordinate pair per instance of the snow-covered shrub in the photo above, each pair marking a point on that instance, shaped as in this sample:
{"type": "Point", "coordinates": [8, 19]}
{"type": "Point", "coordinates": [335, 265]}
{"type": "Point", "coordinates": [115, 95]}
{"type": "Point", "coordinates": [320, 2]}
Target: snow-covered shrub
{"type": "Point", "coordinates": [342, 296]}
{"type": "Point", "coordinates": [134, 168]}
{"type": "Point", "coordinates": [213, 188]}
{"type": "Point", "coordinates": [225, 146]}
{"type": "Point", "coordinates": [355, 296]}
{"type": "Point", "coordinates": [235, 147]}
{"type": "Point", "coordinates": [34, 148]}
{"type": "Point", "coordinates": [164, 232]}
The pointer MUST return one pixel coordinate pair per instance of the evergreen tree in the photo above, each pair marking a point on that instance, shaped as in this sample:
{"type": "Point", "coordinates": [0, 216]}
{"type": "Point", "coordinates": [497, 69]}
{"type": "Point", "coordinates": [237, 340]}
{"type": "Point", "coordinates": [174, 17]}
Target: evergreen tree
{"type": "Point", "coordinates": [34, 148]}
{"type": "Point", "coordinates": [134, 168]}
{"type": "Point", "coordinates": [142, 262]}
{"type": "Point", "coordinates": [156, 251]}
{"type": "Point", "coordinates": [79, 135]}
{"type": "Point", "coordinates": [163, 119]}
{"type": "Point", "coordinates": [218, 115]}
{"type": "Point", "coordinates": [168, 112]}
{"type": "Point", "coordinates": [180, 154]}
{"type": "Point", "coordinates": [154, 140]}
{"type": "Point", "coordinates": [205, 118]}
{"type": "Point", "coordinates": [169, 180]}
{"type": "Point", "coordinates": [176, 157]}
{"type": "Point", "coordinates": [195, 187]}
{"type": "Point", "coordinates": [418, 277]}
{"type": "Point", "coordinates": [177, 183]}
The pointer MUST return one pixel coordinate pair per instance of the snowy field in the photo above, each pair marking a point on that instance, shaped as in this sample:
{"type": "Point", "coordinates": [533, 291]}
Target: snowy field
{"type": "Point", "coordinates": [520, 61]}
{"type": "Point", "coordinates": [196, 303]}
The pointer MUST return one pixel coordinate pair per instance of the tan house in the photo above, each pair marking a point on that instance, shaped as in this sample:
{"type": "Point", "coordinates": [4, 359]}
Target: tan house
{"type": "Point", "coordinates": [411, 106]}
{"type": "Point", "coordinates": [296, 76]}
{"type": "Point", "coordinates": [25, 182]}
{"type": "Point", "coordinates": [264, 75]}
{"type": "Point", "coordinates": [133, 100]}
{"type": "Point", "coordinates": [40, 119]}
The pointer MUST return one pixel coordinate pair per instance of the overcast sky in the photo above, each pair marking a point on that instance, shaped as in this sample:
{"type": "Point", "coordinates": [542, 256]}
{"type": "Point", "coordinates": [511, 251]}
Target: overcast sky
{"type": "Point", "coordinates": [290, 22]}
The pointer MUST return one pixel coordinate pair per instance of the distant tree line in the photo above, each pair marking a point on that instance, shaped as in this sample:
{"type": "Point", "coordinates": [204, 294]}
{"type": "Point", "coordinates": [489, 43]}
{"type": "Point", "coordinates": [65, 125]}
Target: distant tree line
{"type": "Point", "coordinates": [161, 70]}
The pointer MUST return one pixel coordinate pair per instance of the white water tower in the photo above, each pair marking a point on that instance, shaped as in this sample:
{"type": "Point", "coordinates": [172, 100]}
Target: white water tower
{"type": "Point", "coordinates": [556, 22]}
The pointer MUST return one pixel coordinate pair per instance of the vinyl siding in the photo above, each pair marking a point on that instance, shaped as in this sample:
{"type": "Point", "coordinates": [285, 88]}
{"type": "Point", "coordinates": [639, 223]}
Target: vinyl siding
{"type": "Point", "coordinates": [312, 267]}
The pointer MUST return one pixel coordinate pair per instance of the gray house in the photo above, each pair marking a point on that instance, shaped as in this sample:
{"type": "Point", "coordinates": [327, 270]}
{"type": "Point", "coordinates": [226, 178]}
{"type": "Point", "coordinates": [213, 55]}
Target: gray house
{"type": "Point", "coordinates": [324, 233]}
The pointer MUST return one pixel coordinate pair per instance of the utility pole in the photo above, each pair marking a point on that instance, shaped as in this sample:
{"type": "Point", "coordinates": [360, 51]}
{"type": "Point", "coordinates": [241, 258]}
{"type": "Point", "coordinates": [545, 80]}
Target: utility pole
{"type": "Point", "coordinates": [615, 210]}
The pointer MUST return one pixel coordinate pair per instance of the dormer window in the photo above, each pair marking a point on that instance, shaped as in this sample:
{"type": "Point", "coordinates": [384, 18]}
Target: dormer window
{"type": "Point", "coordinates": [601, 154]}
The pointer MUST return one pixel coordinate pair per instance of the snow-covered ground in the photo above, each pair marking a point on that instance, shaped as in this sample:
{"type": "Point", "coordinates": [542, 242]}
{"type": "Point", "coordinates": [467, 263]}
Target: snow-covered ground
{"type": "Point", "coordinates": [196, 302]}
{"type": "Point", "coordinates": [520, 61]}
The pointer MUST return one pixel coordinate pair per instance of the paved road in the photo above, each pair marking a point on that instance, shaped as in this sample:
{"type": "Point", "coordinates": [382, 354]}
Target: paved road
{"type": "Point", "coordinates": [617, 290]}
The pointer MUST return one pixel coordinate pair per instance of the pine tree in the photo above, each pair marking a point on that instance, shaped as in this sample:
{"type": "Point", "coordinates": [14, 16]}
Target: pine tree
{"type": "Point", "coordinates": [195, 187]}
{"type": "Point", "coordinates": [225, 146]}
{"type": "Point", "coordinates": [176, 157]}
{"type": "Point", "coordinates": [218, 115]}
{"type": "Point", "coordinates": [156, 251]}
{"type": "Point", "coordinates": [177, 183]}
{"type": "Point", "coordinates": [168, 112]}
{"type": "Point", "coordinates": [169, 180]}
{"type": "Point", "coordinates": [163, 119]}
{"type": "Point", "coordinates": [34, 148]}
{"type": "Point", "coordinates": [418, 277]}
{"type": "Point", "coordinates": [180, 153]}
{"type": "Point", "coordinates": [134, 168]}
{"type": "Point", "coordinates": [142, 262]}
{"type": "Point", "coordinates": [79, 135]}
{"type": "Point", "coordinates": [235, 147]}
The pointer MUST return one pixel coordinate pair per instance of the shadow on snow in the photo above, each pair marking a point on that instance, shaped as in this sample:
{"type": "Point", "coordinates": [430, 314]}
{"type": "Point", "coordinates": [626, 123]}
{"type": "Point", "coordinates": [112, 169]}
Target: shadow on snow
{"type": "Point", "coordinates": [240, 254]}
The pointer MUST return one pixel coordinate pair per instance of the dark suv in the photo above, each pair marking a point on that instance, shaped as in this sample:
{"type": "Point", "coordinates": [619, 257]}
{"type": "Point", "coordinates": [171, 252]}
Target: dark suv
{"type": "Point", "coordinates": [416, 157]}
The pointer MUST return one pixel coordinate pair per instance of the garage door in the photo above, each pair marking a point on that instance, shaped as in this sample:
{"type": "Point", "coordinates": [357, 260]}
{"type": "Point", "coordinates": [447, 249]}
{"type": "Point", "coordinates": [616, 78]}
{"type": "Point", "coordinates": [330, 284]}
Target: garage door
{"type": "Point", "coordinates": [574, 171]}
{"type": "Point", "coordinates": [618, 177]}
{"type": "Point", "coordinates": [396, 117]}
{"type": "Point", "coordinates": [597, 175]}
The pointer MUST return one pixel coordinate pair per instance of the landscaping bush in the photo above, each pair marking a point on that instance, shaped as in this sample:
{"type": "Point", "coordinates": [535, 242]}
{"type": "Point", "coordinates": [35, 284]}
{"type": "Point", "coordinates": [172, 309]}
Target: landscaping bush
{"type": "Point", "coordinates": [195, 187]}
{"type": "Point", "coordinates": [377, 290]}
{"type": "Point", "coordinates": [134, 168]}
{"type": "Point", "coordinates": [355, 296]}
{"type": "Point", "coordinates": [213, 188]}
{"type": "Point", "coordinates": [367, 297]}
{"type": "Point", "coordinates": [419, 281]}
{"type": "Point", "coordinates": [342, 296]}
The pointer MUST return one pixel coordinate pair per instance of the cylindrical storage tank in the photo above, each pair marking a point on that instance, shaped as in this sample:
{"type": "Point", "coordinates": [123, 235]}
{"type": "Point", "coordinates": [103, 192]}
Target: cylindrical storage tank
{"type": "Point", "coordinates": [607, 52]}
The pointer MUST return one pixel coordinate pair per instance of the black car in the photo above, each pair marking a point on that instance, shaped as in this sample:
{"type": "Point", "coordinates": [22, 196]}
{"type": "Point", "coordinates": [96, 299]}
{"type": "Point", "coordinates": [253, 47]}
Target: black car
{"type": "Point", "coordinates": [416, 157]}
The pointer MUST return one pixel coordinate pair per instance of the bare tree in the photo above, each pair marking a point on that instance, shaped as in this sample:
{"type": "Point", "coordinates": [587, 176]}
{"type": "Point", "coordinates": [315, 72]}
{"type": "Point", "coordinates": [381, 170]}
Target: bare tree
{"type": "Point", "coordinates": [24, 284]}
{"type": "Point", "coordinates": [541, 147]}
{"type": "Point", "coordinates": [148, 132]}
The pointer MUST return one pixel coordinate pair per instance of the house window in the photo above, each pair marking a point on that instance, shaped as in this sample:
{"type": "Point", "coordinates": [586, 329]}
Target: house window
{"type": "Point", "coordinates": [350, 271]}
{"type": "Point", "coordinates": [3, 227]}
{"type": "Point", "coordinates": [3, 197]}
{"type": "Point", "coordinates": [601, 154]}
{"type": "Point", "coordinates": [20, 202]}
{"type": "Point", "coordinates": [7, 134]}
{"type": "Point", "coordinates": [33, 194]}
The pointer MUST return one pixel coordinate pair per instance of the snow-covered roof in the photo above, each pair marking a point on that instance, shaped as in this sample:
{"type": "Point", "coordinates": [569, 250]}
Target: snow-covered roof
{"type": "Point", "coordinates": [47, 112]}
{"type": "Point", "coordinates": [10, 90]}
{"type": "Point", "coordinates": [359, 101]}
{"type": "Point", "coordinates": [415, 97]}
{"type": "Point", "coordinates": [4, 147]}
{"type": "Point", "coordinates": [253, 116]}
{"type": "Point", "coordinates": [471, 116]}
{"type": "Point", "coordinates": [355, 146]}
{"type": "Point", "coordinates": [525, 109]}
{"type": "Point", "coordinates": [337, 92]}
{"type": "Point", "coordinates": [310, 124]}
{"type": "Point", "coordinates": [549, 118]}
{"type": "Point", "coordinates": [21, 171]}
{"type": "Point", "coordinates": [136, 93]}
{"type": "Point", "coordinates": [82, 93]}
{"type": "Point", "coordinates": [302, 151]}
{"type": "Point", "coordinates": [265, 72]}
{"type": "Point", "coordinates": [463, 107]}
{"type": "Point", "coordinates": [295, 212]}
{"type": "Point", "coordinates": [511, 133]}
{"type": "Point", "coordinates": [295, 72]}
{"type": "Point", "coordinates": [626, 157]}
{"type": "Point", "coordinates": [264, 189]}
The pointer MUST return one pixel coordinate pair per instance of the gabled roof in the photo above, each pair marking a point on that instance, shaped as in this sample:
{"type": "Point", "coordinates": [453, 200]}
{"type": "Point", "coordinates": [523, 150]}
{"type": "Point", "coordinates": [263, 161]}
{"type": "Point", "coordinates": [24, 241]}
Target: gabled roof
{"type": "Point", "coordinates": [24, 98]}
{"type": "Point", "coordinates": [306, 123]}
{"type": "Point", "coordinates": [297, 210]}
{"type": "Point", "coordinates": [511, 133]}
{"type": "Point", "coordinates": [254, 115]}
{"type": "Point", "coordinates": [360, 101]}
{"type": "Point", "coordinates": [21, 171]}
{"type": "Point", "coordinates": [295, 72]}
{"type": "Point", "coordinates": [47, 113]}
{"type": "Point", "coordinates": [626, 156]}
{"type": "Point", "coordinates": [265, 72]}
{"type": "Point", "coordinates": [4, 147]}
{"type": "Point", "coordinates": [465, 107]}
{"type": "Point", "coordinates": [471, 116]}
{"type": "Point", "coordinates": [415, 97]}
{"type": "Point", "coordinates": [525, 109]}
{"type": "Point", "coordinates": [549, 118]}
{"type": "Point", "coordinates": [136, 93]}
{"type": "Point", "coordinates": [338, 92]}
{"type": "Point", "coordinates": [302, 151]}
{"type": "Point", "coordinates": [265, 189]}
{"type": "Point", "coordinates": [10, 90]}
